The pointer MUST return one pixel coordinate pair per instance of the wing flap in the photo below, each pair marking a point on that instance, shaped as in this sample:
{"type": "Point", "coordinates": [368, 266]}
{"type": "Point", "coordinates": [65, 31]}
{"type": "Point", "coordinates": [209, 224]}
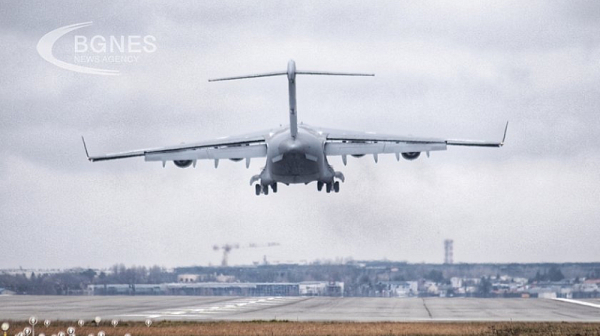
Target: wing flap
{"type": "Point", "coordinates": [474, 143]}
{"type": "Point", "coordinates": [234, 152]}
{"type": "Point", "coordinates": [361, 148]}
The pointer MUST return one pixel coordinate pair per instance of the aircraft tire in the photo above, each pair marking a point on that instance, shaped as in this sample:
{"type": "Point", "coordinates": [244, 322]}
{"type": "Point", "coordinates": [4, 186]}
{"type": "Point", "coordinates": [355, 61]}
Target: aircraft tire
{"type": "Point", "coordinates": [258, 189]}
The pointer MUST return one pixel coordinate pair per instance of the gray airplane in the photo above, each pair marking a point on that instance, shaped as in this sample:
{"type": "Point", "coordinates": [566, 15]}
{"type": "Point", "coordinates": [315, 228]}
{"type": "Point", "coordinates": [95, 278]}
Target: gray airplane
{"type": "Point", "coordinates": [296, 153]}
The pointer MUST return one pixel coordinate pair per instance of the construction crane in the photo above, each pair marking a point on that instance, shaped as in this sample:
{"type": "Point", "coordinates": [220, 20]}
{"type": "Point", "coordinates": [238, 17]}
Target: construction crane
{"type": "Point", "coordinates": [226, 248]}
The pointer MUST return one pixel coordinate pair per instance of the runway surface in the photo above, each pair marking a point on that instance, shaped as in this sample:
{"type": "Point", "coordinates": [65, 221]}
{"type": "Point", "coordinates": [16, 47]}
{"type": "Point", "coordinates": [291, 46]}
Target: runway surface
{"type": "Point", "coordinates": [198, 308]}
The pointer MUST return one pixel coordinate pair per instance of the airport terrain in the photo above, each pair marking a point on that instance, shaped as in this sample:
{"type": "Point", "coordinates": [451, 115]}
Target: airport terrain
{"type": "Point", "coordinates": [201, 308]}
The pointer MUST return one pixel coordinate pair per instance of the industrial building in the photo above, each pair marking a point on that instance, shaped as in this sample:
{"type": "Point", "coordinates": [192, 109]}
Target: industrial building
{"type": "Point", "coordinates": [312, 288]}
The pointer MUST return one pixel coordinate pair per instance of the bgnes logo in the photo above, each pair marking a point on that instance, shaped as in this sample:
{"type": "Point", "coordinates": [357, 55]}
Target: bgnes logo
{"type": "Point", "coordinates": [97, 49]}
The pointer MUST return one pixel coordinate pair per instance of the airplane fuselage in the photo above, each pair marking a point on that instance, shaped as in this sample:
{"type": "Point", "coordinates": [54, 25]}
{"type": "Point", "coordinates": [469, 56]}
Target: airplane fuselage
{"type": "Point", "coordinates": [299, 159]}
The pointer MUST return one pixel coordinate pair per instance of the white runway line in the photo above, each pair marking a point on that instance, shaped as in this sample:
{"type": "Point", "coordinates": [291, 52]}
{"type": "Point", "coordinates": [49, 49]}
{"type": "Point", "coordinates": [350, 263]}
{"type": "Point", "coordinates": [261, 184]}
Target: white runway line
{"type": "Point", "coordinates": [583, 303]}
{"type": "Point", "coordinates": [236, 305]}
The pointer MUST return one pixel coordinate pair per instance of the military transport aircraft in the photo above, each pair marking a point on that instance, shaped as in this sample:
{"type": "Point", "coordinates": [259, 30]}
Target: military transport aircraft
{"type": "Point", "coordinates": [296, 153]}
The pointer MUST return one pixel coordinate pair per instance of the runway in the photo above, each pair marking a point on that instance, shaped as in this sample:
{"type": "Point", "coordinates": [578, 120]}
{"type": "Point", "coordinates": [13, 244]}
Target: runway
{"type": "Point", "coordinates": [200, 308]}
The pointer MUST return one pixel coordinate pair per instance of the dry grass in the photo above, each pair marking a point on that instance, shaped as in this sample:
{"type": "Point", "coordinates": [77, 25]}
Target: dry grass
{"type": "Point", "coordinates": [277, 328]}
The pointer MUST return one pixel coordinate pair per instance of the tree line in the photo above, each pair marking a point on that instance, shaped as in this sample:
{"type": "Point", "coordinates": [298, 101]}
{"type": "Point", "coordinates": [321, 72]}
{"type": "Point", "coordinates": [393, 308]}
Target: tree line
{"type": "Point", "coordinates": [76, 281]}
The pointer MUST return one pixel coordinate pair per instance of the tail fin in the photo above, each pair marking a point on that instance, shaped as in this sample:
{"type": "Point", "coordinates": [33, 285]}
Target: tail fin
{"type": "Point", "coordinates": [291, 74]}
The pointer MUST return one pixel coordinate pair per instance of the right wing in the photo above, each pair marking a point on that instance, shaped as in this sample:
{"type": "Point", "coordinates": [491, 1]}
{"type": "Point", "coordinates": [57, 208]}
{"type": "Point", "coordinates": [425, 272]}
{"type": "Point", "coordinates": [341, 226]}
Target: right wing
{"type": "Point", "coordinates": [340, 142]}
{"type": "Point", "coordinates": [235, 148]}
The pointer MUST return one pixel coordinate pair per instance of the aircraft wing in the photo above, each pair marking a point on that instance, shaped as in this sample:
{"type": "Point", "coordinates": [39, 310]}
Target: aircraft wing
{"type": "Point", "coordinates": [340, 142]}
{"type": "Point", "coordinates": [236, 147]}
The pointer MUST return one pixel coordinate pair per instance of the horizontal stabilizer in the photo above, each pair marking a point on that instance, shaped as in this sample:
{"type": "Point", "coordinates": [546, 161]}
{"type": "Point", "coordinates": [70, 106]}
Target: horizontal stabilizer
{"type": "Point", "coordinates": [327, 73]}
{"type": "Point", "coordinates": [268, 74]}
{"type": "Point", "coordinates": [291, 73]}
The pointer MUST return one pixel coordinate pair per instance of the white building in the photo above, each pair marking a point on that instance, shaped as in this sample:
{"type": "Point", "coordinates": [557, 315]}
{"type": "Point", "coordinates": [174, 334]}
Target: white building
{"type": "Point", "coordinates": [188, 278]}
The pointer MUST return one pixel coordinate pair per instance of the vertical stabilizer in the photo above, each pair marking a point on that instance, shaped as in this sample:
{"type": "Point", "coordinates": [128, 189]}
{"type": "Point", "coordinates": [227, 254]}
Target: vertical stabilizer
{"type": "Point", "coordinates": [291, 75]}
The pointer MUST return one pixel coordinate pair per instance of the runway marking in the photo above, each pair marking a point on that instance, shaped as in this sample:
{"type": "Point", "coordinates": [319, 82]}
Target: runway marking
{"type": "Point", "coordinates": [583, 303]}
{"type": "Point", "coordinates": [427, 308]}
{"type": "Point", "coordinates": [228, 307]}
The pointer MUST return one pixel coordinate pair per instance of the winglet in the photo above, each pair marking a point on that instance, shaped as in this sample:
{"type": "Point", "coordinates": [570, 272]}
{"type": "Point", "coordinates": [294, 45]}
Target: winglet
{"type": "Point", "coordinates": [478, 143]}
{"type": "Point", "coordinates": [85, 148]}
{"type": "Point", "coordinates": [504, 137]}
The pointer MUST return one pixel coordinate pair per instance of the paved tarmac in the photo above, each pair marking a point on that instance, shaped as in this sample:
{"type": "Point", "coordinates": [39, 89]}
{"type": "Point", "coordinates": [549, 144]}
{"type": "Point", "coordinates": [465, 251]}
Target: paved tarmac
{"type": "Point", "coordinates": [200, 308]}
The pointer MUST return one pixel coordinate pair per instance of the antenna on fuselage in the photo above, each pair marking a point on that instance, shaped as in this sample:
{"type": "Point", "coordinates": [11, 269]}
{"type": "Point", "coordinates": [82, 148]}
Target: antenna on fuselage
{"type": "Point", "coordinates": [291, 74]}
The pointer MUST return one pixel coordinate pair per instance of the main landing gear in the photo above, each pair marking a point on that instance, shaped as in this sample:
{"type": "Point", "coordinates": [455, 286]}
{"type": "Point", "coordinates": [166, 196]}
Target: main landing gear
{"type": "Point", "coordinates": [329, 186]}
{"type": "Point", "coordinates": [264, 189]}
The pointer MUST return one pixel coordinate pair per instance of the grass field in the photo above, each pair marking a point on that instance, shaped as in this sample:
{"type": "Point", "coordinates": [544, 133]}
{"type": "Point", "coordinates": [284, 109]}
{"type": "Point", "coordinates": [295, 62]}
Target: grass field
{"type": "Point", "coordinates": [286, 328]}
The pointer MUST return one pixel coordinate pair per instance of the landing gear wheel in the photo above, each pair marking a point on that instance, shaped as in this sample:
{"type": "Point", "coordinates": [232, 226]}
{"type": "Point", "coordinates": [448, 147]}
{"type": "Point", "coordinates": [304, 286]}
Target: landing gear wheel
{"type": "Point", "coordinates": [258, 189]}
{"type": "Point", "coordinates": [336, 186]}
{"type": "Point", "coordinates": [265, 189]}
{"type": "Point", "coordinates": [319, 185]}
{"type": "Point", "coordinates": [328, 186]}
{"type": "Point", "coordinates": [274, 187]}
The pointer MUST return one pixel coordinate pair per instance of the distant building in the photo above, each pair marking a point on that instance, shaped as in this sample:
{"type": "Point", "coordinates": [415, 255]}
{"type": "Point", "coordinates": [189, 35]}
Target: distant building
{"type": "Point", "coordinates": [221, 289]}
{"type": "Point", "coordinates": [313, 288]}
{"type": "Point", "coordinates": [188, 278]}
{"type": "Point", "coordinates": [546, 294]}
{"type": "Point", "coordinates": [456, 282]}
{"type": "Point", "coordinates": [225, 278]}
{"type": "Point", "coordinates": [400, 288]}
{"type": "Point", "coordinates": [124, 289]}
{"type": "Point", "coordinates": [4, 291]}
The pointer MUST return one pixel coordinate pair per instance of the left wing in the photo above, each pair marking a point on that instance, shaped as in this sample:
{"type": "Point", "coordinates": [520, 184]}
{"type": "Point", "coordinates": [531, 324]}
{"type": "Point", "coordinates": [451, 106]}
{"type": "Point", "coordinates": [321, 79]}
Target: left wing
{"type": "Point", "coordinates": [234, 148]}
{"type": "Point", "coordinates": [344, 143]}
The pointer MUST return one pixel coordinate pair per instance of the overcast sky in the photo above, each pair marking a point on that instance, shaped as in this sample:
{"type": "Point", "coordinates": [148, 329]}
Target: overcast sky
{"type": "Point", "coordinates": [449, 70]}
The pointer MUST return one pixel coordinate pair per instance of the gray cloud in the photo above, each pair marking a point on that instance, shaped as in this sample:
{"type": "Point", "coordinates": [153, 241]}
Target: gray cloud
{"type": "Point", "coordinates": [458, 70]}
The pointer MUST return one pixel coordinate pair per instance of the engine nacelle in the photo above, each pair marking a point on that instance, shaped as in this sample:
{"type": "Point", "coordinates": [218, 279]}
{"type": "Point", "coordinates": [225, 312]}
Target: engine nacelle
{"type": "Point", "coordinates": [411, 155]}
{"type": "Point", "coordinates": [182, 163]}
